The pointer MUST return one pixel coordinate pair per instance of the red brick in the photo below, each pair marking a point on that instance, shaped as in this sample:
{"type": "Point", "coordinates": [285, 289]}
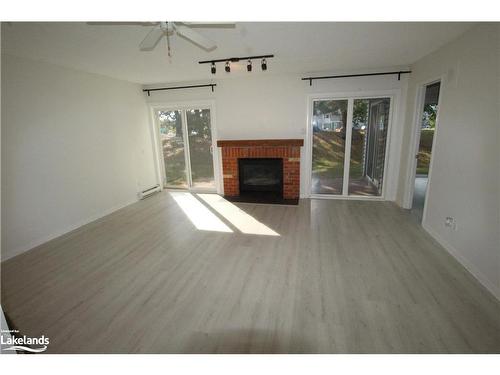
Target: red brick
{"type": "Point", "coordinates": [291, 166]}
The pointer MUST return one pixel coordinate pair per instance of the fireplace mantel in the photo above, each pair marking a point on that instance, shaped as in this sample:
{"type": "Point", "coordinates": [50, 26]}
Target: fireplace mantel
{"type": "Point", "coordinates": [259, 142]}
{"type": "Point", "coordinates": [286, 149]}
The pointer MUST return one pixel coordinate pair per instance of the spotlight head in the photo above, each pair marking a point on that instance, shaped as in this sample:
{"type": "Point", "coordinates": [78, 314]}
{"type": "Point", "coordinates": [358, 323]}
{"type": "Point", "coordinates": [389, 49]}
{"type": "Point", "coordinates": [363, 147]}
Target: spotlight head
{"type": "Point", "coordinates": [213, 69]}
{"type": "Point", "coordinates": [249, 66]}
{"type": "Point", "coordinates": [228, 67]}
{"type": "Point", "coordinates": [264, 64]}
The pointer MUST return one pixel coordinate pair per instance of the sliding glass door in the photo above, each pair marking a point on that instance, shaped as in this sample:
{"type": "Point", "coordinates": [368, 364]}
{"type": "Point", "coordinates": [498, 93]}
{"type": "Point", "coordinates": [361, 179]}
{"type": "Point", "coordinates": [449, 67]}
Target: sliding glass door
{"type": "Point", "coordinates": [173, 148]}
{"type": "Point", "coordinates": [349, 141]}
{"type": "Point", "coordinates": [328, 150]}
{"type": "Point", "coordinates": [186, 146]}
{"type": "Point", "coordinates": [368, 144]}
{"type": "Point", "coordinates": [199, 134]}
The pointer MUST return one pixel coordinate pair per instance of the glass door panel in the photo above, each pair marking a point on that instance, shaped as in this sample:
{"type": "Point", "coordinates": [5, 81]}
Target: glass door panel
{"type": "Point", "coordinates": [200, 148]}
{"type": "Point", "coordinates": [173, 149]}
{"type": "Point", "coordinates": [368, 144]}
{"type": "Point", "coordinates": [329, 133]}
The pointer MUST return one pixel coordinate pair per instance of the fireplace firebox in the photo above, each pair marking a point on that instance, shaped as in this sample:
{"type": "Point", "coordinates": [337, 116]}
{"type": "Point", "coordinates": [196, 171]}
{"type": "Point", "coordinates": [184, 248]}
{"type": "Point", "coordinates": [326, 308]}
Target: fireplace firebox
{"type": "Point", "coordinates": [261, 177]}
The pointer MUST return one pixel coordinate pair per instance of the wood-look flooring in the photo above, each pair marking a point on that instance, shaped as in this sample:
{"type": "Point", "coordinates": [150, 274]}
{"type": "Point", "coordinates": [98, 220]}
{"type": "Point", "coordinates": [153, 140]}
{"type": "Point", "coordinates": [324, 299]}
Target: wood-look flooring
{"type": "Point", "coordinates": [341, 277]}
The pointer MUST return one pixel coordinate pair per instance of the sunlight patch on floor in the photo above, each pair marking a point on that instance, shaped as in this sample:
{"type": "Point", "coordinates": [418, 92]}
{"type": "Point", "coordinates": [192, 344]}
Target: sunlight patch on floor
{"type": "Point", "coordinates": [201, 217]}
{"type": "Point", "coordinates": [237, 217]}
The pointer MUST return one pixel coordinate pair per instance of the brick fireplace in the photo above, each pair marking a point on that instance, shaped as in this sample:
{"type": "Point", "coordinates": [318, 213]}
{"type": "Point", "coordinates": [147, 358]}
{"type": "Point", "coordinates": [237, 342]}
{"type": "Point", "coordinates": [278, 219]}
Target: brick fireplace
{"type": "Point", "coordinates": [288, 150]}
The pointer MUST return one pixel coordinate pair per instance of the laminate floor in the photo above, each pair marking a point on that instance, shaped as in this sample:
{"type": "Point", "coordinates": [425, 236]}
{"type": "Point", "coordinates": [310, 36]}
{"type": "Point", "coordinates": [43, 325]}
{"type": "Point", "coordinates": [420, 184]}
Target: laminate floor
{"type": "Point", "coordinates": [182, 273]}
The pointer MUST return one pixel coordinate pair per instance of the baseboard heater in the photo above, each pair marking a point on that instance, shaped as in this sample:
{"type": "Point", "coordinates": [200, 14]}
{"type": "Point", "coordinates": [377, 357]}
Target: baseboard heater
{"type": "Point", "coordinates": [149, 192]}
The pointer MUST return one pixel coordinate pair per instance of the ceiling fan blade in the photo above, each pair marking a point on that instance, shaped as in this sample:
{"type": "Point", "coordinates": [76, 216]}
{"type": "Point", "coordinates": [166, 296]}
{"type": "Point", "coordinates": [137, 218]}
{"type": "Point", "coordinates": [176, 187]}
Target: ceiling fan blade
{"type": "Point", "coordinates": [214, 25]}
{"type": "Point", "coordinates": [152, 39]}
{"type": "Point", "coordinates": [119, 23]}
{"type": "Point", "coordinates": [195, 37]}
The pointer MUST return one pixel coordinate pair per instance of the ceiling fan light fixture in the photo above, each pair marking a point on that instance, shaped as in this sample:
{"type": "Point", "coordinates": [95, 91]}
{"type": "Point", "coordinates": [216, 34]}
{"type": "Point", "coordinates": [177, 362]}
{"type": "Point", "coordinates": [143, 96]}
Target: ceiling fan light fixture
{"type": "Point", "coordinates": [249, 66]}
{"type": "Point", "coordinates": [228, 67]}
{"type": "Point", "coordinates": [213, 69]}
{"type": "Point", "coordinates": [264, 64]}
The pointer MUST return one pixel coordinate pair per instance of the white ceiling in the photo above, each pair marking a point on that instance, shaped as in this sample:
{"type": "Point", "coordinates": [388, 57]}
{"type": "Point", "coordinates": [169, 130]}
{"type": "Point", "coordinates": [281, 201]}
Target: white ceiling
{"type": "Point", "coordinates": [299, 47]}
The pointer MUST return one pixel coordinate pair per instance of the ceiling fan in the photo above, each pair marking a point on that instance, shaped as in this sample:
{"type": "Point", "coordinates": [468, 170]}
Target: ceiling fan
{"type": "Point", "coordinates": [168, 29]}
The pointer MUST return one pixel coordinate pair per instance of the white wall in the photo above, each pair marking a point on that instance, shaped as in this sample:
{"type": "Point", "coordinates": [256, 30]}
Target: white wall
{"type": "Point", "coordinates": [275, 106]}
{"type": "Point", "coordinates": [75, 146]}
{"type": "Point", "coordinates": [465, 176]}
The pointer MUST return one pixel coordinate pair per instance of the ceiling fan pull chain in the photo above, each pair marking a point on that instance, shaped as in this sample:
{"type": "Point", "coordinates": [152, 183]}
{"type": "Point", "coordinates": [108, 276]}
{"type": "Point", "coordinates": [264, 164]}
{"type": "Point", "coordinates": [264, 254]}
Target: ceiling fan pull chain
{"type": "Point", "coordinates": [168, 44]}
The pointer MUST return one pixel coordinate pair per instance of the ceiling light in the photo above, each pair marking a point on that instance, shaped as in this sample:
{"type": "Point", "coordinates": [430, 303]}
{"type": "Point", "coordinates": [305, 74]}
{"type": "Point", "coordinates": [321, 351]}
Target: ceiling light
{"type": "Point", "coordinates": [228, 60]}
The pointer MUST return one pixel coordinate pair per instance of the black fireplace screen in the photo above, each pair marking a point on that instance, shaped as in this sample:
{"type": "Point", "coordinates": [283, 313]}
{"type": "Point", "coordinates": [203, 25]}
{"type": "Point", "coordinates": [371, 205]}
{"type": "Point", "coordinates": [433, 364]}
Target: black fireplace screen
{"type": "Point", "coordinates": [261, 174]}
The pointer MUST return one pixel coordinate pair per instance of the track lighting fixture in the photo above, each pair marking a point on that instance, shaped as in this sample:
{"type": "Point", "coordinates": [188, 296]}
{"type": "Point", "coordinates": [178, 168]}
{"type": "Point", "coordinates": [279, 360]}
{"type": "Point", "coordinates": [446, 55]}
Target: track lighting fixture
{"type": "Point", "coordinates": [229, 60]}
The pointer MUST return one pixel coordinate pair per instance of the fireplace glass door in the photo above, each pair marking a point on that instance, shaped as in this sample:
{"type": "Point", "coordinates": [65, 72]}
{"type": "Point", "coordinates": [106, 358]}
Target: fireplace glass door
{"type": "Point", "coordinates": [261, 175]}
{"type": "Point", "coordinates": [187, 148]}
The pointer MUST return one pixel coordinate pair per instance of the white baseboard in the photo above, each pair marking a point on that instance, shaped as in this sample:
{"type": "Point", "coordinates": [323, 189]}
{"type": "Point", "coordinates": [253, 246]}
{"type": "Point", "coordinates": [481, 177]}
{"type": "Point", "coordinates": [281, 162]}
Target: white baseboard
{"type": "Point", "coordinates": [478, 275]}
{"type": "Point", "coordinates": [40, 241]}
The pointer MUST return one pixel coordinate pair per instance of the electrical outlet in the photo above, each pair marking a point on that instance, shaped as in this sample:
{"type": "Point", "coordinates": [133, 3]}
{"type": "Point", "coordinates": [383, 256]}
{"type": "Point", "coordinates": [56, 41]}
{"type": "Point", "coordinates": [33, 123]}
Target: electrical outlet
{"type": "Point", "coordinates": [450, 222]}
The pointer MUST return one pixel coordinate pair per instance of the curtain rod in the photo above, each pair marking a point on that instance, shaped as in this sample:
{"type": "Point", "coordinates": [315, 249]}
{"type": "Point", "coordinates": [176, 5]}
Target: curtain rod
{"type": "Point", "coordinates": [310, 79]}
{"type": "Point", "coordinates": [211, 85]}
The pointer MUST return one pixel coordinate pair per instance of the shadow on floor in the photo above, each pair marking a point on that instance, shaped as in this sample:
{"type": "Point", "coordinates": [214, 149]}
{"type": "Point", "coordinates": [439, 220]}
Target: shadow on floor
{"type": "Point", "coordinates": [243, 341]}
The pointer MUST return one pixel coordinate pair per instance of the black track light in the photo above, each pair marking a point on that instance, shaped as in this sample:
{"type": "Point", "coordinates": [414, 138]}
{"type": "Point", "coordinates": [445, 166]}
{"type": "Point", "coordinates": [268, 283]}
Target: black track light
{"type": "Point", "coordinates": [228, 60]}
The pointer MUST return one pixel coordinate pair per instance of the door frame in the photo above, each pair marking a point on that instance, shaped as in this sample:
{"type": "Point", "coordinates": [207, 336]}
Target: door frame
{"type": "Point", "coordinates": [157, 149]}
{"type": "Point", "coordinates": [415, 141]}
{"type": "Point", "coordinates": [375, 149]}
{"type": "Point", "coordinates": [350, 97]}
